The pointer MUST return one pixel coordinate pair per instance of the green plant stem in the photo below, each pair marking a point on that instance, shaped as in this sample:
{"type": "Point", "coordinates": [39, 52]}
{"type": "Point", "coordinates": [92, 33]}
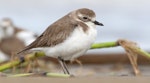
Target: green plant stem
{"type": "Point", "coordinates": [46, 74]}
{"type": "Point", "coordinates": [16, 62]}
{"type": "Point", "coordinates": [57, 75]}
{"type": "Point", "coordinates": [9, 65]}
{"type": "Point", "coordinates": [104, 45]}
{"type": "Point", "coordinates": [20, 75]}
{"type": "Point", "coordinates": [142, 52]}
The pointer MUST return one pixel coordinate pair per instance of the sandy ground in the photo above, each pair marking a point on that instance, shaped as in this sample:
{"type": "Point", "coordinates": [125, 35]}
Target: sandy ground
{"type": "Point", "coordinates": [76, 80]}
{"type": "Point", "coordinates": [100, 70]}
{"type": "Point", "coordinates": [98, 73]}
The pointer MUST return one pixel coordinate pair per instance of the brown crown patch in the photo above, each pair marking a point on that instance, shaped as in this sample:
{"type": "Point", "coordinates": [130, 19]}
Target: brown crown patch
{"type": "Point", "coordinates": [87, 12]}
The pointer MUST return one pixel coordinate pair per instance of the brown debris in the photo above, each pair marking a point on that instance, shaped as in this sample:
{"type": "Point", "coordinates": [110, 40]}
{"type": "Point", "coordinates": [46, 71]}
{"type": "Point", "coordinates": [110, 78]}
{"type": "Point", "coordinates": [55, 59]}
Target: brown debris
{"type": "Point", "coordinates": [130, 48]}
{"type": "Point", "coordinates": [77, 61]}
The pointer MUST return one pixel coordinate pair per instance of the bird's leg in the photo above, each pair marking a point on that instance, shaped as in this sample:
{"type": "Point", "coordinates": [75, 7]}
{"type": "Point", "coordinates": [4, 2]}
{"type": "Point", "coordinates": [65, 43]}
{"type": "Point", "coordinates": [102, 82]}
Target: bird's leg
{"type": "Point", "coordinates": [66, 67]}
{"type": "Point", "coordinates": [63, 65]}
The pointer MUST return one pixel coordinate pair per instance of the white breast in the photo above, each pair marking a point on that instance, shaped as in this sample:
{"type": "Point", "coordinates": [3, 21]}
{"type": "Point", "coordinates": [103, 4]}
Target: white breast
{"type": "Point", "coordinates": [74, 46]}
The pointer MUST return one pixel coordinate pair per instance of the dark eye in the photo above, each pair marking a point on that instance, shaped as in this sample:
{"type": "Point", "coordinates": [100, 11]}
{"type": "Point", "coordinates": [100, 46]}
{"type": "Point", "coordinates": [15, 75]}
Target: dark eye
{"type": "Point", "coordinates": [85, 18]}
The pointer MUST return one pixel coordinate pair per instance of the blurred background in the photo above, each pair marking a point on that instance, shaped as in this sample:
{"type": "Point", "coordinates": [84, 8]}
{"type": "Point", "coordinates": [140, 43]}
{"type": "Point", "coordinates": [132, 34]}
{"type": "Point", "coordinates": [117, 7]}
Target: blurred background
{"type": "Point", "coordinates": [129, 19]}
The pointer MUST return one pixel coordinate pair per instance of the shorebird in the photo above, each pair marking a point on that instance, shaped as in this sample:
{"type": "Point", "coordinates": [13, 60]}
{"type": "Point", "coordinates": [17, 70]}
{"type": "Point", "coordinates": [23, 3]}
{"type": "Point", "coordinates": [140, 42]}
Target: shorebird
{"type": "Point", "coordinates": [68, 38]}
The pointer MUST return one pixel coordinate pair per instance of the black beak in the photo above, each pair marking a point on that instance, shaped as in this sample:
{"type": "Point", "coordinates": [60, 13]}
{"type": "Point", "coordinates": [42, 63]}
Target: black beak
{"type": "Point", "coordinates": [98, 23]}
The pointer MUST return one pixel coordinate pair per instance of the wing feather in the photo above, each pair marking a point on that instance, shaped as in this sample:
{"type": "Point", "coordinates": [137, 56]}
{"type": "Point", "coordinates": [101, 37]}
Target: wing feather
{"type": "Point", "coordinates": [54, 34]}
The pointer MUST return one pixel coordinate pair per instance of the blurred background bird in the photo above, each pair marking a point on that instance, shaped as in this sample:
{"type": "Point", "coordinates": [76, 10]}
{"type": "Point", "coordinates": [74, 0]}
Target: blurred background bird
{"type": "Point", "coordinates": [13, 38]}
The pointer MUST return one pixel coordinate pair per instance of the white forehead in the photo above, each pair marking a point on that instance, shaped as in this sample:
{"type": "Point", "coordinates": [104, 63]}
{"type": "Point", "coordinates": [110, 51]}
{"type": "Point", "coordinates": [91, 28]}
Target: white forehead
{"type": "Point", "coordinates": [80, 15]}
{"type": "Point", "coordinates": [93, 19]}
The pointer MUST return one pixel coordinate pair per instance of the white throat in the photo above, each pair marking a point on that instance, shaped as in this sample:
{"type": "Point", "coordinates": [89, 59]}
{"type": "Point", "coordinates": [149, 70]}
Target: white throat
{"type": "Point", "coordinates": [90, 24]}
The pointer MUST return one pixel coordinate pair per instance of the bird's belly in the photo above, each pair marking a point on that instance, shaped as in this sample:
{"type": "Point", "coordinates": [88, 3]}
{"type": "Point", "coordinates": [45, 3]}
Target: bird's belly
{"type": "Point", "coordinates": [74, 46]}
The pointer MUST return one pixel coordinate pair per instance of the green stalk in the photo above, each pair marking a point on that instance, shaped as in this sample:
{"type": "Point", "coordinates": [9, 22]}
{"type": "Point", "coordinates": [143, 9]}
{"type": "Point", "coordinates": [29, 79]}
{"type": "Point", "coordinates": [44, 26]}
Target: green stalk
{"type": "Point", "coordinates": [142, 52]}
{"type": "Point", "coordinates": [9, 65]}
{"type": "Point", "coordinates": [21, 75]}
{"type": "Point", "coordinates": [16, 62]}
{"type": "Point", "coordinates": [57, 75]}
{"type": "Point", "coordinates": [104, 45]}
{"type": "Point", "coordinates": [46, 74]}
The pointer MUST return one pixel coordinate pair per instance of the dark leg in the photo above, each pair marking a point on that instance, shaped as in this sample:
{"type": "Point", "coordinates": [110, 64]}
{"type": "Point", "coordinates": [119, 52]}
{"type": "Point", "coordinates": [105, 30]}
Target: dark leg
{"type": "Point", "coordinates": [63, 65]}
{"type": "Point", "coordinates": [66, 67]}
